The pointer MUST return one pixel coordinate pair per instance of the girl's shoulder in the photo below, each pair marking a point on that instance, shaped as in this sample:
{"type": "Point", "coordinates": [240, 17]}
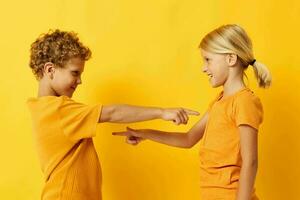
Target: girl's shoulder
{"type": "Point", "coordinates": [246, 95]}
{"type": "Point", "coordinates": [247, 99]}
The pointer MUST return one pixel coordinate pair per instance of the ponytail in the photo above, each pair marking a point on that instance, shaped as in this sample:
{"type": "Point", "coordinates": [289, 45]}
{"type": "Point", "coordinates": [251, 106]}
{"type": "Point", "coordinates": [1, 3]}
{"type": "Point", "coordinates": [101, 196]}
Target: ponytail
{"type": "Point", "coordinates": [262, 74]}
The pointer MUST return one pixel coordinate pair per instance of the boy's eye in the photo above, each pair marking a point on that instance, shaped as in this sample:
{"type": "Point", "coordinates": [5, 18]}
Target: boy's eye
{"type": "Point", "coordinates": [74, 73]}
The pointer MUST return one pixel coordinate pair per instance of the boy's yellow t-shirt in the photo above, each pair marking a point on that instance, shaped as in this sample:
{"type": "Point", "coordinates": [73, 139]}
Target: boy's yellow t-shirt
{"type": "Point", "coordinates": [63, 131]}
{"type": "Point", "coordinates": [220, 158]}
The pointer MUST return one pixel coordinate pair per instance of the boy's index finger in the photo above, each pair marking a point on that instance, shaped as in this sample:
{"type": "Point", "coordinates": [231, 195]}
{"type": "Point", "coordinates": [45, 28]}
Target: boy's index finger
{"type": "Point", "coordinates": [191, 112]}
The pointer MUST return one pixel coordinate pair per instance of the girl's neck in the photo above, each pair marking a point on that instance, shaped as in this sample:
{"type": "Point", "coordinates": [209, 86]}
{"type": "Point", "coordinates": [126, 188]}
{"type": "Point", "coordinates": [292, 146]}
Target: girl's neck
{"type": "Point", "coordinates": [233, 84]}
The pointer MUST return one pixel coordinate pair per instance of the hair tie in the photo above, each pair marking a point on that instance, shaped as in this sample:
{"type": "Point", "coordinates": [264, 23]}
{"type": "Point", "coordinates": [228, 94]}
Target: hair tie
{"type": "Point", "coordinates": [252, 62]}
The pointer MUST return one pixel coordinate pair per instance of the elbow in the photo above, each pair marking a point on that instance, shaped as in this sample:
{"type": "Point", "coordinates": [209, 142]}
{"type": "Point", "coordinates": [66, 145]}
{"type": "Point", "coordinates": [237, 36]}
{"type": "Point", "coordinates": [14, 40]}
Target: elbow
{"type": "Point", "coordinates": [188, 146]}
{"type": "Point", "coordinates": [188, 143]}
{"type": "Point", "coordinates": [109, 114]}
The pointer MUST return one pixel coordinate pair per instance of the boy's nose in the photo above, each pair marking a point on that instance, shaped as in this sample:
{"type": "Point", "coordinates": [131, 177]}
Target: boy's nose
{"type": "Point", "coordinates": [79, 81]}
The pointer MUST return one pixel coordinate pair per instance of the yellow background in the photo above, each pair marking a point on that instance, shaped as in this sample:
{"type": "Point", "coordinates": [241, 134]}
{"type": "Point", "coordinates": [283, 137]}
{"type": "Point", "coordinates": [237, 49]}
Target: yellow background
{"type": "Point", "coordinates": [145, 53]}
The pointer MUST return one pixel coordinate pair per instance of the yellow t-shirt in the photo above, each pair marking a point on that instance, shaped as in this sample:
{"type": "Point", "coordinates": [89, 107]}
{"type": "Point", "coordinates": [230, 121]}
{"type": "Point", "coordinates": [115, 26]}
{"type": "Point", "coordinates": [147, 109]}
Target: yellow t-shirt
{"type": "Point", "coordinates": [63, 131]}
{"type": "Point", "coordinates": [220, 158]}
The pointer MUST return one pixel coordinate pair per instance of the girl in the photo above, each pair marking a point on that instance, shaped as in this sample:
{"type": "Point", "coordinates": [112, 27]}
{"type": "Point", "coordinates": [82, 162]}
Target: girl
{"type": "Point", "coordinates": [228, 130]}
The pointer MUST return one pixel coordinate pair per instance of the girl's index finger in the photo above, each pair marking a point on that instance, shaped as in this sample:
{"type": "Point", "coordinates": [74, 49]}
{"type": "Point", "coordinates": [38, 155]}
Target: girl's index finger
{"type": "Point", "coordinates": [130, 129]}
{"type": "Point", "coordinates": [123, 133]}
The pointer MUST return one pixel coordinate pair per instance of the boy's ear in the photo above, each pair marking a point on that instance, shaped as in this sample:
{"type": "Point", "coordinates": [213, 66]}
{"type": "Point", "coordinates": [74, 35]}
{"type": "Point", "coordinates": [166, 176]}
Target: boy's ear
{"type": "Point", "coordinates": [49, 69]}
{"type": "Point", "coordinates": [231, 59]}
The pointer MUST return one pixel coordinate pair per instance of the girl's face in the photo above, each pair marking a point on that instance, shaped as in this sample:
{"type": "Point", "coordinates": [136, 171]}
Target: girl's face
{"type": "Point", "coordinates": [216, 67]}
{"type": "Point", "coordinates": [66, 79]}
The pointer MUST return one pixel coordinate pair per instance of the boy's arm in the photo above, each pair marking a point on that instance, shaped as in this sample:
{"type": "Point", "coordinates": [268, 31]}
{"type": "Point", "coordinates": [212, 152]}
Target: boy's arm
{"type": "Point", "coordinates": [183, 140]}
{"type": "Point", "coordinates": [248, 139]}
{"type": "Point", "coordinates": [128, 113]}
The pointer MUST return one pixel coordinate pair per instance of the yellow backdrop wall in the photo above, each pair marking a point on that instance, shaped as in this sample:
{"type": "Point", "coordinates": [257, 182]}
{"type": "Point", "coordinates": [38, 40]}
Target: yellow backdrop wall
{"type": "Point", "coordinates": [145, 53]}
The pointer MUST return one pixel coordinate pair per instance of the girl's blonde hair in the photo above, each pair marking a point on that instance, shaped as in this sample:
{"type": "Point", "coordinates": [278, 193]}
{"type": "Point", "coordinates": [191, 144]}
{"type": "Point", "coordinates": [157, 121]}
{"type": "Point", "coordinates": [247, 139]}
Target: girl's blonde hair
{"type": "Point", "coordinates": [233, 39]}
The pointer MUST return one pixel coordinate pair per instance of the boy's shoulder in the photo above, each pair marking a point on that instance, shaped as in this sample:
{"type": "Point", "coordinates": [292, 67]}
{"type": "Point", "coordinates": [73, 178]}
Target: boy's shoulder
{"type": "Point", "coordinates": [48, 98]}
{"type": "Point", "coordinates": [42, 99]}
{"type": "Point", "coordinates": [49, 106]}
{"type": "Point", "coordinates": [46, 102]}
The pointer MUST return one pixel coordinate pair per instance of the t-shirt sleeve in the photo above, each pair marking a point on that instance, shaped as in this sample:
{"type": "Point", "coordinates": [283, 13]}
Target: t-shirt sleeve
{"type": "Point", "coordinates": [210, 105]}
{"type": "Point", "coordinates": [77, 120]}
{"type": "Point", "coordinates": [248, 111]}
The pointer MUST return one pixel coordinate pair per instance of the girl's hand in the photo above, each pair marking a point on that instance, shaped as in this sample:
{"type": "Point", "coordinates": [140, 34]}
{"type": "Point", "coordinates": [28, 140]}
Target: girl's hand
{"type": "Point", "coordinates": [133, 140]}
{"type": "Point", "coordinates": [177, 115]}
{"type": "Point", "coordinates": [133, 137]}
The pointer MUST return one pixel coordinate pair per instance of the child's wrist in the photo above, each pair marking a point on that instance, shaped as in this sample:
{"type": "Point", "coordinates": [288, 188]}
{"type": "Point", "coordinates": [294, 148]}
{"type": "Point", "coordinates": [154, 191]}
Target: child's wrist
{"type": "Point", "coordinates": [140, 134]}
{"type": "Point", "coordinates": [160, 112]}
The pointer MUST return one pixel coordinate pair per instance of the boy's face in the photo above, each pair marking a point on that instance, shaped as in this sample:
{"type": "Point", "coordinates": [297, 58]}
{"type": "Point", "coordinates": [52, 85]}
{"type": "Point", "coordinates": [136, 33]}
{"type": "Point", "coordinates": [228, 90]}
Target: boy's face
{"type": "Point", "coordinates": [216, 67]}
{"type": "Point", "coordinates": [65, 80]}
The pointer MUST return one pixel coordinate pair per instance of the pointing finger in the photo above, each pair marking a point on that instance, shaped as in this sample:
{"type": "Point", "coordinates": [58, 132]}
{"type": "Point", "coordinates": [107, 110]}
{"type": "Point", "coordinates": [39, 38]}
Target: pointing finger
{"type": "Point", "coordinates": [191, 112]}
{"type": "Point", "coordinates": [123, 133]}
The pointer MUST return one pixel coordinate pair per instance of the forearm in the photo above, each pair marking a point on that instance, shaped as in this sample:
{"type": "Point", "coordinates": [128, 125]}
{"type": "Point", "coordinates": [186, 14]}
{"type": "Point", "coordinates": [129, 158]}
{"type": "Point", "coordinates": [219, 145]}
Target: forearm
{"type": "Point", "coordinates": [122, 113]}
{"type": "Point", "coordinates": [246, 182]}
{"type": "Point", "coordinates": [175, 139]}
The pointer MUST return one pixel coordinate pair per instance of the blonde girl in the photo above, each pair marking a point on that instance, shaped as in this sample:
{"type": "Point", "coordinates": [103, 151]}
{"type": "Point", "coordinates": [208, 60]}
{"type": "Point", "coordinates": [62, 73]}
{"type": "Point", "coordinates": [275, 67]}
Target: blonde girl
{"type": "Point", "coordinates": [228, 131]}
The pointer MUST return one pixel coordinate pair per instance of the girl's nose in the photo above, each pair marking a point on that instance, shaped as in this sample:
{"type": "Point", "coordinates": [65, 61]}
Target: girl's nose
{"type": "Point", "coordinates": [204, 68]}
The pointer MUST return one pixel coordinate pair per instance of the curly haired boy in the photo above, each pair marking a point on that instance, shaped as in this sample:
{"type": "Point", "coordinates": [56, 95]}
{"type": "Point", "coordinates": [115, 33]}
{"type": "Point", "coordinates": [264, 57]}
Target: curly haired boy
{"type": "Point", "coordinates": [63, 128]}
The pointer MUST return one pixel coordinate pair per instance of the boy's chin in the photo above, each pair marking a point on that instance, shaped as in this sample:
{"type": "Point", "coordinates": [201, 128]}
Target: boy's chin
{"type": "Point", "coordinates": [68, 94]}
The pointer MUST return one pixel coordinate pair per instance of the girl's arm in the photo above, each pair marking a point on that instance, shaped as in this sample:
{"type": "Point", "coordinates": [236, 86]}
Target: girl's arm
{"type": "Point", "coordinates": [248, 139]}
{"type": "Point", "coordinates": [127, 113]}
{"type": "Point", "coordinates": [184, 140]}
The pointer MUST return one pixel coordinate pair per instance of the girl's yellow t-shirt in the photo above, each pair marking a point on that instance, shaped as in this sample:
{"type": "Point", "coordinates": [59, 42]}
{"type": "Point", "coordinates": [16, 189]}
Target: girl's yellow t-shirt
{"type": "Point", "coordinates": [220, 158]}
{"type": "Point", "coordinates": [63, 131]}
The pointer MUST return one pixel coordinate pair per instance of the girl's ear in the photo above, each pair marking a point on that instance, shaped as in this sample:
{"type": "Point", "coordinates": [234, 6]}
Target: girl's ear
{"type": "Point", "coordinates": [231, 59]}
{"type": "Point", "coordinates": [49, 70]}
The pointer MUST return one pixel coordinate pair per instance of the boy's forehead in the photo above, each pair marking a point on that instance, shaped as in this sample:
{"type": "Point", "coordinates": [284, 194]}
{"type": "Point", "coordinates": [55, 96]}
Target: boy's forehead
{"type": "Point", "coordinates": [75, 64]}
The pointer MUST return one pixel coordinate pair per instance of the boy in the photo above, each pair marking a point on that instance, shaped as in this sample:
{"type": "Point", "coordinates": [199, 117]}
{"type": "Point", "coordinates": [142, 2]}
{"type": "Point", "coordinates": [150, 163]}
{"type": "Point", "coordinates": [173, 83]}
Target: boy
{"type": "Point", "coordinates": [63, 128]}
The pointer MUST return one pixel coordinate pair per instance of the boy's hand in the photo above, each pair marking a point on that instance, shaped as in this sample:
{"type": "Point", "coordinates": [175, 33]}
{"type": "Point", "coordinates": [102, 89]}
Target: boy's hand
{"type": "Point", "coordinates": [132, 136]}
{"type": "Point", "coordinates": [178, 115]}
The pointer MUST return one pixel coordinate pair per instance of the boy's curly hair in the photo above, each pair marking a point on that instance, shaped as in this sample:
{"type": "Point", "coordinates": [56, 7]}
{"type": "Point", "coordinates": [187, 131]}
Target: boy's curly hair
{"type": "Point", "coordinates": [56, 47]}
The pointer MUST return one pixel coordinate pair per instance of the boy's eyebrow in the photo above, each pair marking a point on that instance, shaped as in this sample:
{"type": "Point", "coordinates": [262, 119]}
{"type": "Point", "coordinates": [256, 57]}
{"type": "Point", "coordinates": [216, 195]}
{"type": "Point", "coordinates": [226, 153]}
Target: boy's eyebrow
{"type": "Point", "coordinates": [76, 70]}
